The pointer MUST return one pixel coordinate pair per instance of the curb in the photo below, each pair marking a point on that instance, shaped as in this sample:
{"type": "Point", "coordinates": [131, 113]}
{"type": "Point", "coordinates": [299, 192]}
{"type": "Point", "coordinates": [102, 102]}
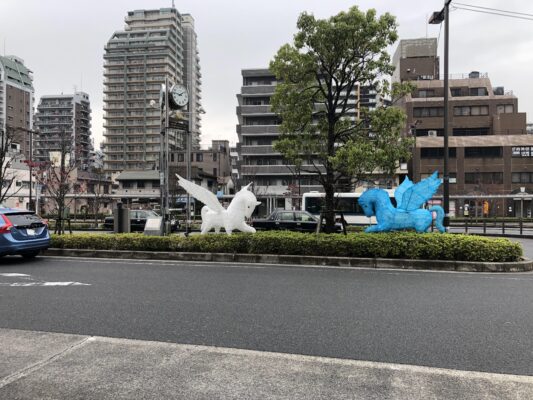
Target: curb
{"type": "Point", "coordinates": [378, 263]}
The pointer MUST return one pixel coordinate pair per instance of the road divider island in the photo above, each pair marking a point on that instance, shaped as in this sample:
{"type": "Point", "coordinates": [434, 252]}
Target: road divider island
{"type": "Point", "coordinates": [391, 245]}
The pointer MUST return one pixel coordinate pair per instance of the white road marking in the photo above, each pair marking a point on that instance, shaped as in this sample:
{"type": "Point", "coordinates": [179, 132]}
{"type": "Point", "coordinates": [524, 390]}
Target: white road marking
{"type": "Point", "coordinates": [33, 282]}
{"type": "Point", "coordinates": [25, 284]}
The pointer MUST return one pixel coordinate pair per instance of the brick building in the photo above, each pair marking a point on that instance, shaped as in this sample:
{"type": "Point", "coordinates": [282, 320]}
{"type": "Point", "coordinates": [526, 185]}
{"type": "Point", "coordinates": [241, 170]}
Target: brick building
{"type": "Point", "coordinates": [491, 154]}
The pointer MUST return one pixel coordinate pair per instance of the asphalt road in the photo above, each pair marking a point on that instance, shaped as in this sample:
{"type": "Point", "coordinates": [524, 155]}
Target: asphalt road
{"type": "Point", "coordinates": [480, 322]}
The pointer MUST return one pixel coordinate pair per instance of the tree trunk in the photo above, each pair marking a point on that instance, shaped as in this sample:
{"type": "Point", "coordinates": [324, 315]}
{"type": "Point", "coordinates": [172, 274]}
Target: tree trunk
{"type": "Point", "coordinates": [329, 208]}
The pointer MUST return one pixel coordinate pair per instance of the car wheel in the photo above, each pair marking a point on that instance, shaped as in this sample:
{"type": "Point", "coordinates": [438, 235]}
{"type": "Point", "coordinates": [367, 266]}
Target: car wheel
{"type": "Point", "coordinates": [31, 254]}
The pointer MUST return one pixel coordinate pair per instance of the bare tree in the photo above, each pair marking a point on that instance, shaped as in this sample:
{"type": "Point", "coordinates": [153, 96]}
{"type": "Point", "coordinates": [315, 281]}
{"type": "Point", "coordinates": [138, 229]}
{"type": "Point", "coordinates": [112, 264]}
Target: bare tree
{"type": "Point", "coordinates": [58, 177]}
{"type": "Point", "coordinates": [8, 155]}
{"type": "Point", "coordinates": [100, 189]}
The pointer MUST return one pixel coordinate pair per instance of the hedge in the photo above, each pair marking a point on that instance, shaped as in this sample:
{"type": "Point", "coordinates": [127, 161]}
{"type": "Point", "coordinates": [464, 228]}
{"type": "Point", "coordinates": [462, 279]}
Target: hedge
{"type": "Point", "coordinates": [407, 245]}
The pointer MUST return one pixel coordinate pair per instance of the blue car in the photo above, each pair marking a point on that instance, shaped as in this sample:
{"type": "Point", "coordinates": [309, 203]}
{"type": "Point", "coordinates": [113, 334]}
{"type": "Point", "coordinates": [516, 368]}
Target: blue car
{"type": "Point", "coordinates": [22, 232]}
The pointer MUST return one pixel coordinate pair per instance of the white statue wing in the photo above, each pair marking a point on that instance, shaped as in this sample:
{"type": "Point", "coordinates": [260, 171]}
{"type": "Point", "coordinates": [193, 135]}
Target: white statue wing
{"type": "Point", "coordinates": [198, 192]}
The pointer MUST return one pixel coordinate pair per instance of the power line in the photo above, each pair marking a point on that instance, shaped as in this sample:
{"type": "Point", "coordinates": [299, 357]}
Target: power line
{"type": "Point", "coordinates": [494, 9]}
{"type": "Point", "coordinates": [494, 13]}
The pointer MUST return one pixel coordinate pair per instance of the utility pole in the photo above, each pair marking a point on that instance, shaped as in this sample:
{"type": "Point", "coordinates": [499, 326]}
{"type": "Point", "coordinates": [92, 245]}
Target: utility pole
{"type": "Point", "coordinates": [437, 18]}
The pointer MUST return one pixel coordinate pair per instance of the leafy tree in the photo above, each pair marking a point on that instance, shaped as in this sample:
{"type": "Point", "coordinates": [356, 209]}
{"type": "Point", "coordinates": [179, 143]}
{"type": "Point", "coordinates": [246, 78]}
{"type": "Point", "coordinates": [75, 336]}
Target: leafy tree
{"type": "Point", "coordinates": [318, 75]}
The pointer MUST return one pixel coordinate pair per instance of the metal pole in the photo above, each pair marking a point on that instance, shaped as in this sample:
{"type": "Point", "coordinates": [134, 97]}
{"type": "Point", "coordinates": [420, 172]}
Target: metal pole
{"type": "Point", "coordinates": [161, 150]}
{"type": "Point", "coordinates": [31, 208]}
{"type": "Point", "coordinates": [165, 214]}
{"type": "Point", "coordinates": [189, 172]}
{"type": "Point", "coordinates": [446, 177]}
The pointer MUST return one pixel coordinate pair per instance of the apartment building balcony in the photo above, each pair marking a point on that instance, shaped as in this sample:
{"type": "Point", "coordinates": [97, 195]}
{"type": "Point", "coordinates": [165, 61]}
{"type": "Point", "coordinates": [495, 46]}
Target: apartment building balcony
{"type": "Point", "coordinates": [146, 193]}
{"type": "Point", "coordinates": [254, 110]}
{"type": "Point", "coordinates": [258, 89]}
{"type": "Point", "coordinates": [258, 129]}
{"type": "Point", "coordinates": [258, 150]}
{"type": "Point", "coordinates": [271, 170]}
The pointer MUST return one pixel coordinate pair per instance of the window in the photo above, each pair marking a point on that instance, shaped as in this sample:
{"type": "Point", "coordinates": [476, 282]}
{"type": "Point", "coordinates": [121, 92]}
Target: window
{"type": "Point", "coordinates": [522, 151]}
{"type": "Point", "coordinates": [522, 177]}
{"type": "Point", "coordinates": [470, 110]}
{"type": "Point", "coordinates": [140, 184]}
{"type": "Point", "coordinates": [126, 184]}
{"type": "Point", "coordinates": [286, 216]}
{"type": "Point", "coordinates": [478, 91]}
{"type": "Point", "coordinates": [181, 157]}
{"type": "Point", "coordinates": [215, 171]}
{"type": "Point", "coordinates": [470, 131]}
{"type": "Point", "coordinates": [483, 152]}
{"type": "Point", "coordinates": [488, 178]}
{"type": "Point", "coordinates": [303, 217]}
{"type": "Point", "coordinates": [456, 92]}
{"type": "Point", "coordinates": [505, 109]}
{"type": "Point", "coordinates": [436, 152]}
{"type": "Point", "coordinates": [214, 156]}
{"type": "Point", "coordinates": [199, 157]}
{"type": "Point", "coordinates": [428, 111]}
{"type": "Point", "coordinates": [426, 93]}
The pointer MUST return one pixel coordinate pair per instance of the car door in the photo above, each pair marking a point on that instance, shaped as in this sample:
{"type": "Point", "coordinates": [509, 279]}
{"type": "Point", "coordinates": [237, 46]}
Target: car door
{"type": "Point", "coordinates": [286, 220]}
{"type": "Point", "coordinates": [305, 222]}
{"type": "Point", "coordinates": [135, 221]}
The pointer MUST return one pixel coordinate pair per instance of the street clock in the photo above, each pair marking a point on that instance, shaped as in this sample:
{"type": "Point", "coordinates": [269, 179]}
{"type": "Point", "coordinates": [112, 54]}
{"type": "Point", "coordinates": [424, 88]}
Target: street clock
{"type": "Point", "coordinates": [179, 95]}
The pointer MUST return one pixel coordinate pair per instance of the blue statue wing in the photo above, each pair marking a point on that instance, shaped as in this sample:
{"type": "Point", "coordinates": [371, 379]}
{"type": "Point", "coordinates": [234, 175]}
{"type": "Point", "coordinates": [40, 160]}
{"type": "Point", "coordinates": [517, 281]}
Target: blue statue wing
{"type": "Point", "coordinates": [400, 190]}
{"type": "Point", "coordinates": [415, 196]}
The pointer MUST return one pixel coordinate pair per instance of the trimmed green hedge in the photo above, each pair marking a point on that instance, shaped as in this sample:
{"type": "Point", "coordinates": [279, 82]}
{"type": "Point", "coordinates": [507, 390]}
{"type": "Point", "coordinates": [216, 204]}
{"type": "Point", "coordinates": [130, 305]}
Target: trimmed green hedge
{"type": "Point", "coordinates": [409, 245]}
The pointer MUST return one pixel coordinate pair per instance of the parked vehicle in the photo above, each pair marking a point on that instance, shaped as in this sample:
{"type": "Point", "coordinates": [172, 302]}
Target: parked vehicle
{"type": "Point", "coordinates": [22, 232]}
{"type": "Point", "coordinates": [300, 221]}
{"type": "Point", "coordinates": [313, 202]}
{"type": "Point", "coordinates": [138, 220]}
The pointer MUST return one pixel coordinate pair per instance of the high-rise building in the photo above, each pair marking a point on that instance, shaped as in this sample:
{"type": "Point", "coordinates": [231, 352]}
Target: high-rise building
{"type": "Point", "coordinates": [258, 128]}
{"type": "Point", "coordinates": [16, 100]}
{"type": "Point", "coordinates": [192, 75]}
{"type": "Point", "coordinates": [64, 120]}
{"type": "Point", "coordinates": [154, 46]}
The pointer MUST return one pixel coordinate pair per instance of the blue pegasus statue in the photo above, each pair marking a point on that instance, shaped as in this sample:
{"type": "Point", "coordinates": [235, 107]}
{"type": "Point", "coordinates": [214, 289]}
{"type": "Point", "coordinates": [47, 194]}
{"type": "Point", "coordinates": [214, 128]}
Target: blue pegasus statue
{"type": "Point", "coordinates": [408, 214]}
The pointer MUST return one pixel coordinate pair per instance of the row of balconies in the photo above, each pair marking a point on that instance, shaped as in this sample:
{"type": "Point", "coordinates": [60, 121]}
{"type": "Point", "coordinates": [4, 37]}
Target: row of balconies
{"type": "Point", "coordinates": [254, 110]}
{"type": "Point", "coordinates": [268, 169]}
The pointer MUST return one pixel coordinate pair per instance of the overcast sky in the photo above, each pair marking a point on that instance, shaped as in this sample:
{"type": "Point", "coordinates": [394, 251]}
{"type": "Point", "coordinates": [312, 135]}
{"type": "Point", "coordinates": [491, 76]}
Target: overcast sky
{"type": "Point", "coordinates": [62, 42]}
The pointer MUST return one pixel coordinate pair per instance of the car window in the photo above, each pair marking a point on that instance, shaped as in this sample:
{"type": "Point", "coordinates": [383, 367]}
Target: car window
{"type": "Point", "coordinates": [304, 217]}
{"type": "Point", "coordinates": [286, 216]}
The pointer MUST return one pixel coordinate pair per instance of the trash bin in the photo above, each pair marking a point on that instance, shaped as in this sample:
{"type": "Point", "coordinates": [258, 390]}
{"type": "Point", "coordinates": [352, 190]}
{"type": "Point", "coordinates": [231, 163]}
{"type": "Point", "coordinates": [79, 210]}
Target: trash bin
{"type": "Point", "coordinates": [121, 219]}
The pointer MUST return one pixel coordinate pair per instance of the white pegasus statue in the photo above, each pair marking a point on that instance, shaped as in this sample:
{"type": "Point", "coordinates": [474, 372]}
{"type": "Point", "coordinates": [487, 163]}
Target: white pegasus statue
{"type": "Point", "coordinates": [215, 216]}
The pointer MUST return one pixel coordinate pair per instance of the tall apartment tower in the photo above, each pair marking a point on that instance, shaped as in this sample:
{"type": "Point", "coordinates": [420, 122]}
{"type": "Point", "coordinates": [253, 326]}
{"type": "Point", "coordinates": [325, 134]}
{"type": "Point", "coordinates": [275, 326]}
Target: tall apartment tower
{"type": "Point", "coordinates": [16, 100]}
{"type": "Point", "coordinates": [64, 118]}
{"type": "Point", "coordinates": [152, 47]}
{"type": "Point", "coordinates": [192, 75]}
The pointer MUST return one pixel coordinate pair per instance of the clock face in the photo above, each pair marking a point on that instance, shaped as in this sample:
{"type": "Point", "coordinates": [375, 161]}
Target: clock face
{"type": "Point", "coordinates": [180, 95]}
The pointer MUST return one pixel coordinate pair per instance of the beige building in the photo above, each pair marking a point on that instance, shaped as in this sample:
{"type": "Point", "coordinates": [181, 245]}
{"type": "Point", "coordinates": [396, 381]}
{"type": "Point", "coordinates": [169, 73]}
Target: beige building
{"type": "Point", "coordinates": [150, 49]}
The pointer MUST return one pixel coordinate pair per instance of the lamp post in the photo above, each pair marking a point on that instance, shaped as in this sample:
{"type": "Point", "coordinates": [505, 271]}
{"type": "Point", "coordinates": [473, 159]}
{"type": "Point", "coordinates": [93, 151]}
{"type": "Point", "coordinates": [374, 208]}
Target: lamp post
{"type": "Point", "coordinates": [437, 18]}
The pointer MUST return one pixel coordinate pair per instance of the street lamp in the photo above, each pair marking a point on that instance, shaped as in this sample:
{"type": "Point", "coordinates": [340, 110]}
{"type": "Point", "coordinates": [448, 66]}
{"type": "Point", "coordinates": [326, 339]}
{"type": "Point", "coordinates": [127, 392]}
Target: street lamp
{"type": "Point", "coordinates": [29, 162]}
{"type": "Point", "coordinates": [437, 18]}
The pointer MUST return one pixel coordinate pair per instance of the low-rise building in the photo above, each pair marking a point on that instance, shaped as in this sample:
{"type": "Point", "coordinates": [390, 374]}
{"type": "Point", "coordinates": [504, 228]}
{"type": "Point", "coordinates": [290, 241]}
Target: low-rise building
{"type": "Point", "coordinates": [490, 152]}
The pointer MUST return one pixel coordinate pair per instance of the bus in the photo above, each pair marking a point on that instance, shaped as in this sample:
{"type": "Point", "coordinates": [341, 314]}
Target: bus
{"type": "Point", "coordinates": [313, 202]}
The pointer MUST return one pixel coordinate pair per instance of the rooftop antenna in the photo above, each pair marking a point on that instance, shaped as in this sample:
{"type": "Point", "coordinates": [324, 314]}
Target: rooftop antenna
{"type": "Point", "coordinates": [173, 6]}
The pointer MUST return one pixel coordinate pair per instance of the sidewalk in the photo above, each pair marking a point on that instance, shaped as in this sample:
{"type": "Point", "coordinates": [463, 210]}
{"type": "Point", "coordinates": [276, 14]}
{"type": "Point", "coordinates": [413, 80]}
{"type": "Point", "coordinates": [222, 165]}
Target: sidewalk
{"type": "Point", "coordinates": [38, 365]}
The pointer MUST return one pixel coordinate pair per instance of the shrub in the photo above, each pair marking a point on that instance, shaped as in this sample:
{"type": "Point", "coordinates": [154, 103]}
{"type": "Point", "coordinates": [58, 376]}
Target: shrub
{"type": "Point", "coordinates": [410, 245]}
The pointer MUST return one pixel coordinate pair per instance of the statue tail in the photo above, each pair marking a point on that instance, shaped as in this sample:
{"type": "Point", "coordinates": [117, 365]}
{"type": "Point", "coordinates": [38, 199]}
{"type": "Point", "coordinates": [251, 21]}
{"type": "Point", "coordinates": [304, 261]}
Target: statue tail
{"type": "Point", "coordinates": [440, 217]}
